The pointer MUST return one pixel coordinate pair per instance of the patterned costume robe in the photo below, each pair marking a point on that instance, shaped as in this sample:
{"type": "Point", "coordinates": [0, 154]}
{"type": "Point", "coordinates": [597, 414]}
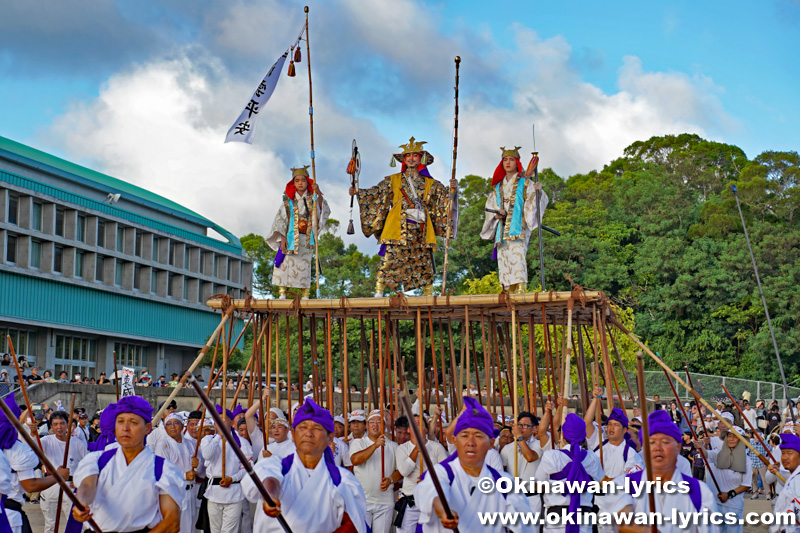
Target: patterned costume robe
{"type": "Point", "coordinates": [296, 268]}
{"type": "Point", "coordinates": [407, 260]}
{"type": "Point", "coordinates": [512, 265]}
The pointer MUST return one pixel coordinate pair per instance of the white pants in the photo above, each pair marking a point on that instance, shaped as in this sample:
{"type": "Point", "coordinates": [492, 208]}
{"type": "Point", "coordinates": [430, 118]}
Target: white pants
{"type": "Point", "coordinates": [48, 501]}
{"type": "Point", "coordinates": [247, 518]}
{"type": "Point", "coordinates": [410, 520]}
{"type": "Point", "coordinates": [379, 517]}
{"type": "Point", "coordinates": [736, 505]}
{"type": "Point", "coordinates": [224, 517]}
{"type": "Point", "coordinates": [188, 506]}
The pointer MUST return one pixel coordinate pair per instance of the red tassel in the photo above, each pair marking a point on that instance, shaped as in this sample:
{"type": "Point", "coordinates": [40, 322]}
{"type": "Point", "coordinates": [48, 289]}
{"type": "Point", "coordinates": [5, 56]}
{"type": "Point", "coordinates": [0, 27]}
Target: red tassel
{"type": "Point", "coordinates": [290, 73]}
{"type": "Point", "coordinates": [297, 55]}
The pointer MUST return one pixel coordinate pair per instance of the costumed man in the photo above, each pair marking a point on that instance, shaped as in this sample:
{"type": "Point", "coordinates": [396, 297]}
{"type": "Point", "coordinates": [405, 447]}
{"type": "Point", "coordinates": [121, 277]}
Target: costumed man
{"type": "Point", "coordinates": [293, 234]}
{"type": "Point", "coordinates": [159, 432]}
{"type": "Point", "coordinates": [224, 498]}
{"type": "Point", "coordinates": [733, 471]}
{"type": "Point", "coordinates": [129, 488]}
{"type": "Point", "coordinates": [572, 463]}
{"type": "Point", "coordinates": [307, 488]}
{"type": "Point", "coordinates": [788, 499]}
{"type": "Point", "coordinates": [53, 446]}
{"type": "Point", "coordinates": [22, 462]}
{"type": "Point", "coordinates": [358, 426]}
{"type": "Point", "coordinates": [179, 451]}
{"type": "Point", "coordinates": [511, 215]}
{"type": "Point", "coordinates": [460, 474]}
{"type": "Point", "coordinates": [279, 443]}
{"type": "Point", "coordinates": [409, 460]}
{"type": "Point", "coordinates": [529, 450]}
{"type": "Point", "coordinates": [340, 448]}
{"type": "Point", "coordinates": [5, 488]}
{"type": "Point", "coordinates": [665, 446]}
{"type": "Point", "coordinates": [619, 450]}
{"type": "Point", "coordinates": [373, 457]}
{"type": "Point", "coordinates": [405, 212]}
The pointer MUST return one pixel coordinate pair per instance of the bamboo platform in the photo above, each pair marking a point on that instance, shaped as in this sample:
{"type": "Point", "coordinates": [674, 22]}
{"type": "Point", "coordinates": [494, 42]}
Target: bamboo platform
{"type": "Point", "coordinates": [554, 305]}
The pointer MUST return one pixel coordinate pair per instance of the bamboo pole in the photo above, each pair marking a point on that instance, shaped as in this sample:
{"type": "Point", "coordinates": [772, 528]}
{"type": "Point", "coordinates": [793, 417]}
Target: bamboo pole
{"type": "Point", "coordinates": [607, 365]}
{"type": "Point", "coordinates": [265, 405]}
{"type": "Point", "coordinates": [314, 360]}
{"type": "Point", "coordinates": [276, 330]}
{"type": "Point", "coordinates": [648, 458]}
{"type": "Point", "coordinates": [329, 364]}
{"type": "Point", "coordinates": [313, 161]}
{"type": "Point", "coordinates": [64, 462]}
{"type": "Point", "coordinates": [420, 378]}
{"type": "Point", "coordinates": [445, 390]}
{"type": "Point", "coordinates": [596, 382]}
{"type": "Point", "coordinates": [516, 382]}
{"type": "Point", "coordinates": [301, 369]}
{"type": "Point", "coordinates": [526, 400]}
{"type": "Point", "coordinates": [537, 385]}
{"type": "Point", "coordinates": [225, 355]}
{"type": "Point", "coordinates": [24, 389]}
{"type": "Point", "coordinates": [373, 392]}
{"type": "Point", "coordinates": [345, 375]}
{"type": "Point", "coordinates": [289, 373]}
{"type": "Point", "coordinates": [457, 401]}
{"type": "Point", "coordinates": [438, 422]}
{"type": "Point", "coordinates": [486, 367]}
{"type": "Point", "coordinates": [493, 326]}
{"type": "Point", "coordinates": [116, 378]}
{"type": "Point", "coordinates": [698, 398]}
{"type": "Point", "coordinates": [381, 378]}
{"type": "Point", "coordinates": [361, 361]}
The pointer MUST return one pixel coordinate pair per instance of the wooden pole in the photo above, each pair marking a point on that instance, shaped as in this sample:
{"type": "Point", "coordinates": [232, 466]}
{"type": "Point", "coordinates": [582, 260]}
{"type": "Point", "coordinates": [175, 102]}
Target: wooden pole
{"type": "Point", "coordinates": [452, 176]}
{"type": "Point", "coordinates": [278, 364]}
{"type": "Point", "coordinates": [373, 392]}
{"type": "Point", "coordinates": [596, 381]}
{"type": "Point", "coordinates": [345, 374]}
{"type": "Point", "coordinates": [526, 400]}
{"type": "Point", "coordinates": [420, 378]}
{"type": "Point", "coordinates": [289, 373]}
{"type": "Point", "coordinates": [457, 401]}
{"type": "Point", "coordinates": [607, 364]}
{"type": "Point", "coordinates": [438, 422]}
{"type": "Point", "coordinates": [329, 364]}
{"type": "Point", "coordinates": [64, 462]}
{"type": "Point", "coordinates": [648, 458]}
{"type": "Point", "coordinates": [537, 386]}
{"type": "Point", "coordinates": [116, 377]}
{"type": "Point", "coordinates": [486, 367]}
{"type": "Point", "coordinates": [516, 382]}
{"type": "Point", "coordinates": [315, 220]}
{"type": "Point", "coordinates": [24, 388]}
{"type": "Point", "coordinates": [493, 326]}
{"type": "Point", "coordinates": [262, 411]}
{"type": "Point", "coordinates": [381, 378]}
{"type": "Point", "coordinates": [314, 360]}
{"type": "Point", "coordinates": [301, 369]}
{"type": "Point", "coordinates": [225, 355]}
{"type": "Point", "coordinates": [361, 360]}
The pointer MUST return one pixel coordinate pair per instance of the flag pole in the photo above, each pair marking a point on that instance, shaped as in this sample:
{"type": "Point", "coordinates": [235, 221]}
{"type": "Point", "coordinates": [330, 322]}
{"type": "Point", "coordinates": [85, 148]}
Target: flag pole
{"type": "Point", "coordinates": [313, 165]}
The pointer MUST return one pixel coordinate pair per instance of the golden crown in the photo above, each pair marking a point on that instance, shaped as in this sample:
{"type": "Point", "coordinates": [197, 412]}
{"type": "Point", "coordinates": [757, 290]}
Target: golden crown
{"type": "Point", "coordinates": [300, 171]}
{"type": "Point", "coordinates": [511, 153]}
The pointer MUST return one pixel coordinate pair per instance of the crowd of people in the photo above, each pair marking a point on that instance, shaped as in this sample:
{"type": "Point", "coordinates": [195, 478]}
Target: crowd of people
{"type": "Point", "coordinates": [327, 473]}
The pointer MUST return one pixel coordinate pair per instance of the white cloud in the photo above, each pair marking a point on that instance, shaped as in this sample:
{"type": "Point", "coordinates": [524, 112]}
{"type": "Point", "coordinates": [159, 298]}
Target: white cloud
{"type": "Point", "coordinates": [579, 127]}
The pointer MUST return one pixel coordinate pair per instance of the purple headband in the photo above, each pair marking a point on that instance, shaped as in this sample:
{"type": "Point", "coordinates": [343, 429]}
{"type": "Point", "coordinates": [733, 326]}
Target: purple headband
{"type": "Point", "coordinates": [227, 412]}
{"type": "Point", "coordinates": [661, 422]}
{"type": "Point", "coordinates": [8, 433]}
{"type": "Point", "coordinates": [311, 411]}
{"type": "Point", "coordinates": [789, 441]}
{"type": "Point", "coordinates": [108, 421]}
{"type": "Point", "coordinates": [239, 409]}
{"type": "Point", "coordinates": [618, 415]}
{"type": "Point", "coordinates": [135, 406]}
{"type": "Point", "coordinates": [574, 429]}
{"type": "Point", "coordinates": [475, 417]}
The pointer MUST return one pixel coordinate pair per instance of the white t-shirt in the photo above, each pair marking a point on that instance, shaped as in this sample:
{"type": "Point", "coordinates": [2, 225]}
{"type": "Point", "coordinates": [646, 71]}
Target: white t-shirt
{"type": "Point", "coordinates": [369, 474]}
{"type": "Point", "coordinates": [410, 469]}
{"type": "Point", "coordinates": [525, 469]}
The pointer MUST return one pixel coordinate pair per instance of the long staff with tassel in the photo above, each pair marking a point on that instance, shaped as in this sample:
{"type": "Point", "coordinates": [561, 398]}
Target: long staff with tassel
{"type": "Point", "coordinates": [452, 195]}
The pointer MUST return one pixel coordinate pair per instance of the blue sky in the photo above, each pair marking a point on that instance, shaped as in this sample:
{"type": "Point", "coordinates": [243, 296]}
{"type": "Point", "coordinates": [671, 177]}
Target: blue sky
{"type": "Point", "coordinates": [145, 90]}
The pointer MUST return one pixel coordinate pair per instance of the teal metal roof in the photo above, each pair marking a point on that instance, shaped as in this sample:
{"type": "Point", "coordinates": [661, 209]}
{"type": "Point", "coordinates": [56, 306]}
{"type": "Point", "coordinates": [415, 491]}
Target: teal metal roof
{"type": "Point", "coordinates": [64, 304]}
{"type": "Point", "coordinates": [36, 158]}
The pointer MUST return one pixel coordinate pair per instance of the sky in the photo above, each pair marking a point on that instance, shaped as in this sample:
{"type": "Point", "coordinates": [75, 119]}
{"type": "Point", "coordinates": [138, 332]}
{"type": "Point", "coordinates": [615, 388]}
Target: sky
{"type": "Point", "coordinates": [145, 90]}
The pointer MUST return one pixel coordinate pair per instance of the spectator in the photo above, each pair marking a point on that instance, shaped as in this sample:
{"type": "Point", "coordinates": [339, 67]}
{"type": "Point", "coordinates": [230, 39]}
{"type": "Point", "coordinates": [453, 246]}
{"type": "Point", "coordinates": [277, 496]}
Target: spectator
{"type": "Point", "coordinates": [162, 382]}
{"type": "Point", "coordinates": [34, 377]}
{"type": "Point", "coordinates": [94, 428]}
{"type": "Point", "coordinates": [23, 364]}
{"type": "Point", "coordinates": [657, 402]}
{"type": "Point", "coordinates": [62, 377]}
{"type": "Point", "coordinates": [773, 418]}
{"type": "Point", "coordinates": [173, 381]}
{"type": "Point", "coordinates": [746, 396]}
{"type": "Point", "coordinates": [102, 379]}
{"type": "Point", "coordinates": [338, 387]}
{"type": "Point", "coordinates": [231, 384]}
{"type": "Point", "coordinates": [675, 413]}
{"type": "Point", "coordinates": [77, 378]}
{"type": "Point", "coordinates": [6, 360]}
{"type": "Point", "coordinates": [759, 469]}
{"type": "Point", "coordinates": [92, 381]}
{"type": "Point", "coordinates": [48, 377]}
{"type": "Point", "coordinates": [761, 415]}
{"type": "Point", "coordinates": [749, 413]}
{"type": "Point", "coordinates": [687, 446]}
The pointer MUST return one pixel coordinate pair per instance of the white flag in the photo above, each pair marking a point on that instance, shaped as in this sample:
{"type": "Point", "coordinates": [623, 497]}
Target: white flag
{"type": "Point", "coordinates": [242, 130]}
{"type": "Point", "coordinates": [127, 382]}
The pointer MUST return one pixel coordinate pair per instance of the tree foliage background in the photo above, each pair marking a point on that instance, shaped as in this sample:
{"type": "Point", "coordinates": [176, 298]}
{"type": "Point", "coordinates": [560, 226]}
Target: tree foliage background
{"type": "Point", "coordinates": [658, 231]}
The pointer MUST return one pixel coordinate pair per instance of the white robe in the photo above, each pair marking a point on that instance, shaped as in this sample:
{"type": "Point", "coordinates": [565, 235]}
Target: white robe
{"type": "Point", "coordinates": [309, 499]}
{"type": "Point", "coordinates": [665, 503]}
{"type": "Point", "coordinates": [180, 454]}
{"type": "Point", "coordinates": [212, 454]}
{"type": "Point", "coordinates": [788, 500]}
{"type": "Point", "coordinates": [295, 271]}
{"type": "Point", "coordinates": [511, 263]}
{"type": "Point", "coordinates": [127, 497]}
{"type": "Point", "coordinates": [466, 505]}
{"type": "Point", "coordinates": [22, 461]}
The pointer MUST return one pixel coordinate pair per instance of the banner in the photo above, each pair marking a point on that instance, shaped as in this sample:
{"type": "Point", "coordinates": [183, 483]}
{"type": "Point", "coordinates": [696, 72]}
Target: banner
{"type": "Point", "coordinates": [126, 384]}
{"type": "Point", "coordinates": [244, 127]}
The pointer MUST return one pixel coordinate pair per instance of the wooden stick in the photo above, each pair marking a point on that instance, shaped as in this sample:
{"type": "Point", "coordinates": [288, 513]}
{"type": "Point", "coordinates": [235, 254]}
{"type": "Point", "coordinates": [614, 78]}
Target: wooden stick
{"type": "Point", "coordinates": [457, 401]}
{"type": "Point", "coordinates": [373, 392]}
{"type": "Point", "coordinates": [289, 373]}
{"type": "Point", "coordinates": [420, 381]}
{"type": "Point", "coordinates": [648, 458]}
{"type": "Point", "coordinates": [493, 326]}
{"type": "Point", "coordinates": [755, 433]}
{"type": "Point", "coordinates": [436, 379]}
{"type": "Point", "coordinates": [567, 333]}
{"type": "Point", "coordinates": [581, 360]}
{"type": "Point", "coordinates": [445, 390]}
{"type": "Point", "coordinates": [241, 381]}
{"type": "Point", "coordinates": [345, 374]}
{"type": "Point", "coordinates": [24, 388]}
{"type": "Point", "coordinates": [314, 361]}
{"type": "Point", "coordinates": [526, 400]}
{"type": "Point", "coordinates": [301, 369]}
{"type": "Point", "coordinates": [64, 462]}
{"type": "Point", "coordinates": [698, 398]}
{"type": "Point", "coordinates": [607, 364]}
{"type": "Point", "coordinates": [116, 378]}
{"type": "Point", "coordinates": [516, 382]}
{"type": "Point", "coordinates": [196, 362]}
{"type": "Point", "coordinates": [361, 360]}
{"type": "Point", "coordinates": [382, 384]}
{"type": "Point", "coordinates": [596, 381]}
{"type": "Point", "coordinates": [619, 361]}
{"type": "Point", "coordinates": [537, 385]}
{"type": "Point", "coordinates": [225, 355]}
{"type": "Point", "coordinates": [475, 364]}
{"type": "Point", "coordinates": [278, 364]}
{"type": "Point", "coordinates": [466, 332]}
{"type": "Point", "coordinates": [486, 367]}
{"type": "Point", "coordinates": [548, 347]}
{"type": "Point", "coordinates": [264, 407]}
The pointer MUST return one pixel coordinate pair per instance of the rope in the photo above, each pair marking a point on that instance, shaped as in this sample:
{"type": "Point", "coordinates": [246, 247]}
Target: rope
{"type": "Point", "coordinates": [296, 305]}
{"type": "Point", "coordinates": [247, 307]}
{"type": "Point", "coordinates": [399, 300]}
{"type": "Point", "coordinates": [225, 301]}
{"type": "Point", "coordinates": [344, 302]}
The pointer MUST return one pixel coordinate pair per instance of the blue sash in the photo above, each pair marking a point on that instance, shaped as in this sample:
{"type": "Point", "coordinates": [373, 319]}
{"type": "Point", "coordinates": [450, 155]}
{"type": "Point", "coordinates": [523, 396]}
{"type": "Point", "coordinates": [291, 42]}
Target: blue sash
{"type": "Point", "coordinates": [516, 216]}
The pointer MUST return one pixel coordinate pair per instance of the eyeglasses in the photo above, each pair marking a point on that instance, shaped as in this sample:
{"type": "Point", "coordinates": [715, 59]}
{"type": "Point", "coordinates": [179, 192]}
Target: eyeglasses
{"type": "Point", "coordinates": [525, 426]}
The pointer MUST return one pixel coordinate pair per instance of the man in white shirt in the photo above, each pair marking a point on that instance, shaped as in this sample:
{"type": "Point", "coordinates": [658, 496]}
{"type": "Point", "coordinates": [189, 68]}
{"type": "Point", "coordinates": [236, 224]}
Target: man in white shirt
{"type": "Point", "coordinates": [358, 425]}
{"type": "Point", "coordinates": [53, 446]}
{"type": "Point", "coordinates": [373, 457]}
{"type": "Point", "coordinates": [128, 488]}
{"type": "Point", "coordinates": [525, 432]}
{"type": "Point", "coordinates": [224, 493]}
{"type": "Point", "coordinates": [179, 451]}
{"type": "Point", "coordinates": [279, 442]}
{"type": "Point", "coordinates": [788, 500]}
{"type": "Point", "coordinates": [410, 465]}
{"type": "Point", "coordinates": [734, 473]}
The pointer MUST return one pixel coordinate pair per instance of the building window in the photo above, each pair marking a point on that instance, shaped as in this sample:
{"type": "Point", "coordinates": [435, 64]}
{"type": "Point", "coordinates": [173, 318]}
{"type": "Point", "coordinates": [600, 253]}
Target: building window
{"type": "Point", "coordinates": [78, 264]}
{"type": "Point", "coordinates": [36, 216]}
{"type": "Point", "coordinates": [80, 228]}
{"type": "Point", "coordinates": [134, 355]}
{"type": "Point", "coordinates": [101, 233]}
{"type": "Point", "coordinates": [118, 274]}
{"type": "Point", "coordinates": [156, 243]}
{"type": "Point", "coordinates": [11, 249]}
{"type": "Point", "coordinates": [13, 209]}
{"type": "Point", "coordinates": [59, 229]}
{"type": "Point", "coordinates": [58, 259]}
{"type": "Point", "coordinates": [120, 237]}
{"type": "Point", "coordinates": [36, 254]}
{"type": "Point", "coordinates": [185, 289]}
{"type": "Point", "coordinates": [170, 280]}
{"type": "Point", "coordinates": [138, 246]}
{"type": "Point", "coordinates": [75, 354]}
{"type": "Point", "coordinates": [98, 269]}
{"type": "Point", "coordinates": [154, 281]}
{"type": "Point", "coordinates": [137, 275]}
{"type": "Point", "coordinates": [214, 272]}
{"type": "Point", "coordinates": [24, 343]}
{"type": "Point", "coordinates": [228, 273]}
{"type": "Point", "coordinates": [186, 258]}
